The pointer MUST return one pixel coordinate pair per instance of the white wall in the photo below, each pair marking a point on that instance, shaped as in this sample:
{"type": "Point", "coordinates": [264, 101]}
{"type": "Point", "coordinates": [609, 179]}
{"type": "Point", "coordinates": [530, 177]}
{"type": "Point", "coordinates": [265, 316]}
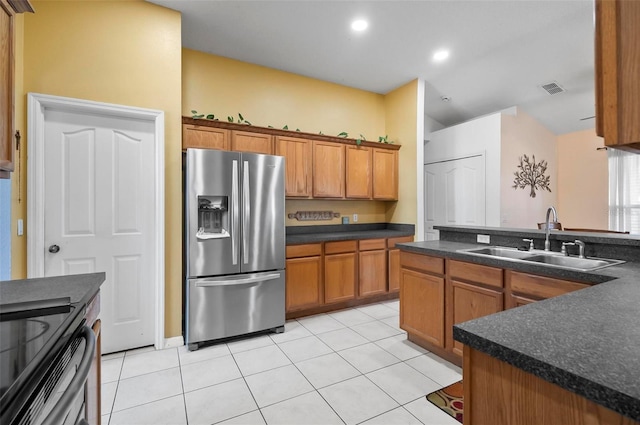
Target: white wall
{"type": "Point", "coordinates": [478, 136]}
{"type": "Point", "coordinates": [522, 134]}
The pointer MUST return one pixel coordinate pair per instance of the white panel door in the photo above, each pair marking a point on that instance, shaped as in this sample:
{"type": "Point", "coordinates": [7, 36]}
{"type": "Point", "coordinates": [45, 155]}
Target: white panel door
{"type": "Point", "coordinates": [99, 216]}
{"type": "Point", "coordinates": [455, 194]}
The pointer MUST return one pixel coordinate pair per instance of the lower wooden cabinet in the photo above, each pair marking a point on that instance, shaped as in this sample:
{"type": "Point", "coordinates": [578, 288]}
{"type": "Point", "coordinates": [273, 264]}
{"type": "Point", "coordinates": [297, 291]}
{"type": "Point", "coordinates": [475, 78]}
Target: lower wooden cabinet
{"type": "Point", "coordinates": [524, 288]}
{"type": "Point", "coordinates": [470, 302]}
{"type": "Point", "coordinates": [393, 261]}
{"type": "Point", "coordinates": [304, 287]}
{"type": "Point", "coordinates": [339, 271]}
{"type": "Point", "coordinates": [498, 393]}
{"type": "Point", "coordinates": [93, 386]}
{"type": "Point", "coordinates": [372, 261]}
{"type": "Point", "coordinates": [422, 305]}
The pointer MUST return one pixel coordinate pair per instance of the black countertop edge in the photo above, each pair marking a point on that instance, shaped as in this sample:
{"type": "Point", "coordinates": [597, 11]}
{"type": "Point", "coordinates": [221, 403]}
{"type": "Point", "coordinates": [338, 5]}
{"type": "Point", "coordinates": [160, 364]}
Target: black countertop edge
{"type": "Point", "coordinates": [610, 398]}
{"type": "Point", "coordinates": [296, 235]}
{"type": "Point", "coordinates": [601, 238]}
{"type": "Point", "coordinates": [80, 288]}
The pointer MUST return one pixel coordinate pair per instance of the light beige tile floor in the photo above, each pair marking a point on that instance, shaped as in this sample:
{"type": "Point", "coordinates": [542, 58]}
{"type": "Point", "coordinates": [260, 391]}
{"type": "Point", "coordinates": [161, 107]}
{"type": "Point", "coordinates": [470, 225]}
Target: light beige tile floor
{"type": "Point", "coordinates": [347, 367]}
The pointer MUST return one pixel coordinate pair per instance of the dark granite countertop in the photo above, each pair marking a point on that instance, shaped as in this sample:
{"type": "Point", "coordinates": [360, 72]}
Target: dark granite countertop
{"type": "Point", "coordinates": [297, 235]}
{"type": "Point", "coordinates": [80, 288]}
{"type": "Point", "coordinates": [586, 341]}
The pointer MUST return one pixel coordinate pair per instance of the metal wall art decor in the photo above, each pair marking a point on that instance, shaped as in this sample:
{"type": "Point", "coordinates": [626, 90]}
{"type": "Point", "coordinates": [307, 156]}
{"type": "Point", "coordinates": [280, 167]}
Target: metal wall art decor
{"type": "Point", "coordinates": [313, 215]}
{"type": "Point", "coordinates": [532, 174]}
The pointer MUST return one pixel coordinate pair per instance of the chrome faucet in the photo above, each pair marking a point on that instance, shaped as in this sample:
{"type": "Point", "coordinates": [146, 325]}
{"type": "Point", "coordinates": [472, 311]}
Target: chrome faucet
{"type": "Point", "coordinates": [580, 247]}
{"type": "Point", "coordinates": [546, 236]}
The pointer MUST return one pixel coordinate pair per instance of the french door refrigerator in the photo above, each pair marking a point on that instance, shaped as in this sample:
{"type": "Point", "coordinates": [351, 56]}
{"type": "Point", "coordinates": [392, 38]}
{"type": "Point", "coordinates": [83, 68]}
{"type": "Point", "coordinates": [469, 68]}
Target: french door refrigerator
{"type": "Point", "coordinates": [234, 244]}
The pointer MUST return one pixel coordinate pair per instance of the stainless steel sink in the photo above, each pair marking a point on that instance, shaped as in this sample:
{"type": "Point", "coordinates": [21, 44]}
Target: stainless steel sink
{"type": "Point", "coordinates": [547, 258]}
{"type": "Point", "coordinates": [496, 251]}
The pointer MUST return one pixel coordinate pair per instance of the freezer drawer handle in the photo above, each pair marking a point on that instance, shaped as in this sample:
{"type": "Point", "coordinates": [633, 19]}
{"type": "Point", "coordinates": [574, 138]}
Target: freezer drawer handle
{"type": "Point", "coordinates": [254, 279]}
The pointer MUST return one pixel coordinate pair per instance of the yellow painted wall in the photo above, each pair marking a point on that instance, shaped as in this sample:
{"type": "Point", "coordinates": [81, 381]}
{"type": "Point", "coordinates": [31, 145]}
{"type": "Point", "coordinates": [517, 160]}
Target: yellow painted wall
{"type": "Point", "coordinates": [18, 178]}
{"type": "Point", "coordinates": [265, 96]}
{"type": "Point", "coordinates": [118, 52]}
{"type": "Point", "coordinates": [401, 107]}
{"type": "Point", "coordinates": [583, 181]}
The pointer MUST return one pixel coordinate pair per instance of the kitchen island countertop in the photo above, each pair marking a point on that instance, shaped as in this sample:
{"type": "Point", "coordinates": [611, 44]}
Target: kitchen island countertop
{"type": "Point", "coordinates": [586, 341]}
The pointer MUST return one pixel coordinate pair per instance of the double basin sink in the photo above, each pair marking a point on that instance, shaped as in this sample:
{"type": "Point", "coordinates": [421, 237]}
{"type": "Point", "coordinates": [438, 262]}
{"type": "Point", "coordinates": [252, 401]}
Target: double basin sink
{"type": "Point", "coordinates": [548, 258]}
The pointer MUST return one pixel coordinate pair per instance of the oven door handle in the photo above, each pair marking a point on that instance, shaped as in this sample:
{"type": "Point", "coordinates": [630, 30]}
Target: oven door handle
{"type": "Point", "coordinates": [77, 383]}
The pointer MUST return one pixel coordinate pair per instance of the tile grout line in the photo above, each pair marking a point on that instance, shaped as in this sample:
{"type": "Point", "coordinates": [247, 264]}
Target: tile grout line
{"type": "Point", "coordinates": [248, 387]}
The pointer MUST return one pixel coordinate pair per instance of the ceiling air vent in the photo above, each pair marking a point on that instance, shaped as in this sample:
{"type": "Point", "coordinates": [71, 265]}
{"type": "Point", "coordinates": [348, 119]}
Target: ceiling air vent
{"type": "Point", "coordinates": [552, 88]}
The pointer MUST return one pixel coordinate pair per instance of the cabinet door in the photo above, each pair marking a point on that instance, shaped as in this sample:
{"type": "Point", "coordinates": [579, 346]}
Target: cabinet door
{"type": "Point", "coordinates": [617, 68]}
{"type": "Point", "coordinates": [6, 89]}
{"type": "Point", "coordinates": [385, 174]}
{"type": "Point", "coordinates": [359, 171]}
{"type": "Point", "coordinates": [245, 141]}
{"type": "Point", "coordinates": [373, 272]}
{"type": "Point", "coordinates": [297, 154]}
{"type": "Point", "coordinates": [328, 170]}
{"type": "Point", "coordinates": [394, 270]}
{"type": "Point", "coordinates": [339, 277]}
{"type": "Point", "coordinates": [394, 261]}
{"type": "Point", "coordinates": [304, 283]}
{"type": "Point", "coordinates": [196, 136]}
{"type": "Point", "coordinates": [513, 301]}
{"type": "Point", "coordinates": [470, 302]}
{"type": "Point", "coordinates": [422, 305]}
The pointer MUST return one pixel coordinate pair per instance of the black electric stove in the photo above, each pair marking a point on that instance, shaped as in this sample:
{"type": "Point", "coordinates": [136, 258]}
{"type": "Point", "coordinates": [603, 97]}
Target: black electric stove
{"type": "Point", "coordinates": [31, 337]}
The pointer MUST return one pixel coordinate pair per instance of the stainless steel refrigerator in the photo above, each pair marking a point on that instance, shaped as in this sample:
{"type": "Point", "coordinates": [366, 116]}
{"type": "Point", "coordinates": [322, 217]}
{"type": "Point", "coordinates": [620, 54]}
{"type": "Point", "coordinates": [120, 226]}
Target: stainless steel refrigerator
{"type": "Point", "coordinates": [234, 244]}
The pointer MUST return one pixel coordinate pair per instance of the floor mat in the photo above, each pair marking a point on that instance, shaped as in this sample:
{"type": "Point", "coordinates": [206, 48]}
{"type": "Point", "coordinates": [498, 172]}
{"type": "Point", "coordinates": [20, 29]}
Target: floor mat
{"type": "Point", "coordinates": [449, 399]}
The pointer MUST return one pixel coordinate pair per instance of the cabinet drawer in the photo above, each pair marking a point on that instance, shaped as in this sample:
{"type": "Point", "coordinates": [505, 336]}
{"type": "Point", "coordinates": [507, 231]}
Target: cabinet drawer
{"type": "Point", "coordinates": [308, 250]}
{"type": "Point", "coordinates": [339, 247]}
{"type": "Point", "coordinates": [391, 242]}
{"type": "Point", "coordinates": [476, 273]}
{"type": "Point", "coordinates": [541, 286]}
{"type": "Point", "coordinates": [425, 263]}
{"type": "Point", "coordinates": [371, 244]}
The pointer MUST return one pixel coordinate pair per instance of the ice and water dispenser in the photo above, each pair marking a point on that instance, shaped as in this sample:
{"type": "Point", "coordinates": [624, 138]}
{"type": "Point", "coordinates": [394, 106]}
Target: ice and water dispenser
{"type": "Point", "coordinates": [213, 217]}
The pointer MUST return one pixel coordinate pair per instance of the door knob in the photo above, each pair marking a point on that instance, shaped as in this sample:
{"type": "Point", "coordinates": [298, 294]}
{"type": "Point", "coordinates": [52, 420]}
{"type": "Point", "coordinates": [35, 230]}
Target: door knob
{"type": "Point", "coordinates": [54, 248]}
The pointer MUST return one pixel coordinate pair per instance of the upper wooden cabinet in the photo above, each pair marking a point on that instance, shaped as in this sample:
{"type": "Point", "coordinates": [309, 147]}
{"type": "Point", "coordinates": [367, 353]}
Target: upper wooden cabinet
{"type": "Point", "coordinates": [328, 170]}
{"type": "Point", "coordinates": [385, 174]}
{"type": "Point", "coordinates": [245, 141]}
{"type": "Point", "coordinates": [6, 89]}
{"type": "Point", "coordinates": [617, 70]}
{"type": "Point", "coordinates": [359, 172]}
{"type": "Point", "coordinates": [298, 173]}
{"type": "Point", "coordinates": [197, 136]}
{"type": "Point", "coordinates": [317, 165]}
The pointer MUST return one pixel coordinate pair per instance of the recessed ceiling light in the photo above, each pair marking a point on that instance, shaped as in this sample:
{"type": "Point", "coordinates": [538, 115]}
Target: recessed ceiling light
{"type": "Point", "coordinates": [440, 55]}
{"type": "Point", "coordinates": [359, 25]}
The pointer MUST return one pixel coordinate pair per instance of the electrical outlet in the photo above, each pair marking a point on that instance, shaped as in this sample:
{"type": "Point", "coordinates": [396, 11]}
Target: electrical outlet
{"type": "Point", "coordinates": [20, 227]}
{"type": "Point", "coordinates": [483, 239]}
{"type": "Point", "coordinates": [355, 218]}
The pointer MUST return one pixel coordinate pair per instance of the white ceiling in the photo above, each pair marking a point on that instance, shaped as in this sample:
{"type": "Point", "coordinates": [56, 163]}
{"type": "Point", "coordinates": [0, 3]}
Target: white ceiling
{"type": "Point", "coordinates": [501, 50]}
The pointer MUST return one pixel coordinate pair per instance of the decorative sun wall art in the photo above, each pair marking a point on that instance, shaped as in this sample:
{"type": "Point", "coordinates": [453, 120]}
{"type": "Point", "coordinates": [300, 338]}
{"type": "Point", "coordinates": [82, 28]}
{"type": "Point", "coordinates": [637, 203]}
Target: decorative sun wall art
{"type": "Point", "coordinates": [532, 174]}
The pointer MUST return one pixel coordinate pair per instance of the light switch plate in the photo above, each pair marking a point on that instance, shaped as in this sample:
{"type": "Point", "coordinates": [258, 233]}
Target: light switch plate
{"type": "Point", "coordinates": [483, 239]}
{"type": "Point", "coordinates": [355, 218]}
{"type": "Point", "coordinates": [20, 227]}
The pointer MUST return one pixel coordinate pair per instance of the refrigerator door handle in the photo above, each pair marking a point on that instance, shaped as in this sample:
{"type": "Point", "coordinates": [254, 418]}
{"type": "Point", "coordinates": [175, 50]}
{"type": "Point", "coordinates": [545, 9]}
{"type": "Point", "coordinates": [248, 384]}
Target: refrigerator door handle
{"type": "Point", "coordinates": [246, 212]}
{"type": "Point", "coordinates": [234, 213]}
{"type": "Point", "coordinates": [231, 282]}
